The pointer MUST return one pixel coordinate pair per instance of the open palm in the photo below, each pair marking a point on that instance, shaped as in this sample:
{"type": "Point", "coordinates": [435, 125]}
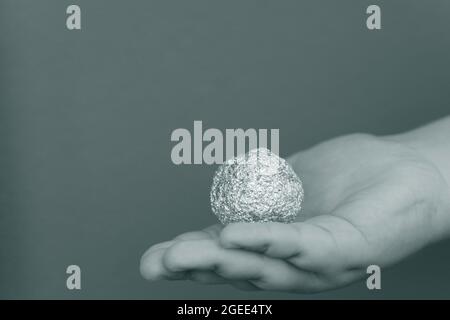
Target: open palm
{"type": "Point", "coordinates": [367, 201]}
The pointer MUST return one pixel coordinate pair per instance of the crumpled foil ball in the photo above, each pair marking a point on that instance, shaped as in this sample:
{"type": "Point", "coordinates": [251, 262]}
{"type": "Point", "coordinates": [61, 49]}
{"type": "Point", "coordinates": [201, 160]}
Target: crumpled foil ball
{"type": "Point", "coordinates": [258, 186]}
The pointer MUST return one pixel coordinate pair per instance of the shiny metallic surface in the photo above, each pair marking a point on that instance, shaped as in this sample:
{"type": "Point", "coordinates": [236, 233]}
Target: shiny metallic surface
{"type": "Point", "coordinates": [256, 187]}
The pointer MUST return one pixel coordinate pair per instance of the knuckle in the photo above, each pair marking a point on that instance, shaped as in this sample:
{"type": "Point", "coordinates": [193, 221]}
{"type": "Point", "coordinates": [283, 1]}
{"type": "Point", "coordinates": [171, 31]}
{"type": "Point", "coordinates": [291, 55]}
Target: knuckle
{"type": "Point", "coordinates": [227, 236]}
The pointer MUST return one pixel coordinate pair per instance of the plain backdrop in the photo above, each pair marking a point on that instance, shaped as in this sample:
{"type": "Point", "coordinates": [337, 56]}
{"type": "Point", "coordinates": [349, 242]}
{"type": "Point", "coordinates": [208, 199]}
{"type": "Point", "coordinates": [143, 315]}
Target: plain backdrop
{"type": "Point", "coordinates": [86, 116]}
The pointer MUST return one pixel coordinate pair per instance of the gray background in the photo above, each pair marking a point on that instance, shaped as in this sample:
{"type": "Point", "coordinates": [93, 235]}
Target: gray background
{"type": "Point", "coordinates": [86, 117]}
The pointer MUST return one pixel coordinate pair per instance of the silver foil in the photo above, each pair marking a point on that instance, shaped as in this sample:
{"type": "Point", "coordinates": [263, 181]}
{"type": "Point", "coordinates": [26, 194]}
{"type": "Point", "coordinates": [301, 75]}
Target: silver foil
{"type": "Point", "coordinates": [258, 186]}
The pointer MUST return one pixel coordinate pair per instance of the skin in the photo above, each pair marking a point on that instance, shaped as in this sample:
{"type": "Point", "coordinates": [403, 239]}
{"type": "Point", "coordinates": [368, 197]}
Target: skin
{"type": "Point", "coordinates": [368, 200]}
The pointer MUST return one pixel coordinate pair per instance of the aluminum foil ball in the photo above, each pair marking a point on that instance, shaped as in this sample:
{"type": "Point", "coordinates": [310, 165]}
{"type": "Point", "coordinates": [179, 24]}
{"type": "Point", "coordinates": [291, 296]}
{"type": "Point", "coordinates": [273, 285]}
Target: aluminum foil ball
{"type": "Point", "coordinates": [258, 186]}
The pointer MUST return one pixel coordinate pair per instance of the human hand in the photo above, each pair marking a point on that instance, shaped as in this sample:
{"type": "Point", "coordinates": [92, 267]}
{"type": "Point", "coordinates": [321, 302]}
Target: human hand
{"type": "Point", "coordinates": [368, 200]}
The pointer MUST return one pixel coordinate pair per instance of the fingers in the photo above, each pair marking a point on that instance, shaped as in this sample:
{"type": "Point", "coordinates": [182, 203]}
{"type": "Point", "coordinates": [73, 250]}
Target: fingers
{"type": "Point", "coordinates": [208, 255]}
{"type": "Point", "coordinates": [276, 240]}
{"type": "Point", "coordinates": [249, 256]}
{"type": "Point", "coordinates": [207, 261]}
{"type": "Point", "coordinates": [178, 259]}
{"type": "Point", "coordinates": [151, 266]}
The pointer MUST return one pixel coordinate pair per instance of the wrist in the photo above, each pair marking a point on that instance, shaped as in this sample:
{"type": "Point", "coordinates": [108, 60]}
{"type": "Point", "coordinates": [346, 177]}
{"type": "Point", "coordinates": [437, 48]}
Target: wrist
{"type": "Point", "coordinates": [431, 144]}
{"type": "Point", "coordinates": [434, 151]}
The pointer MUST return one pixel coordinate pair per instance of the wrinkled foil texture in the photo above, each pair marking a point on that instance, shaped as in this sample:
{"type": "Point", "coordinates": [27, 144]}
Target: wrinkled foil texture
{"type": "Point", "coordinates": [258, 186]}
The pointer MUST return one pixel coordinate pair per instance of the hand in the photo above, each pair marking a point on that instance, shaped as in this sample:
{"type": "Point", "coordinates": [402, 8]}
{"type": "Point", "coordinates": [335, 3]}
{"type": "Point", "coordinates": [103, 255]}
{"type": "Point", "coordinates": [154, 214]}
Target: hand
{"type": "Point", "coordinates": [367, 201]}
